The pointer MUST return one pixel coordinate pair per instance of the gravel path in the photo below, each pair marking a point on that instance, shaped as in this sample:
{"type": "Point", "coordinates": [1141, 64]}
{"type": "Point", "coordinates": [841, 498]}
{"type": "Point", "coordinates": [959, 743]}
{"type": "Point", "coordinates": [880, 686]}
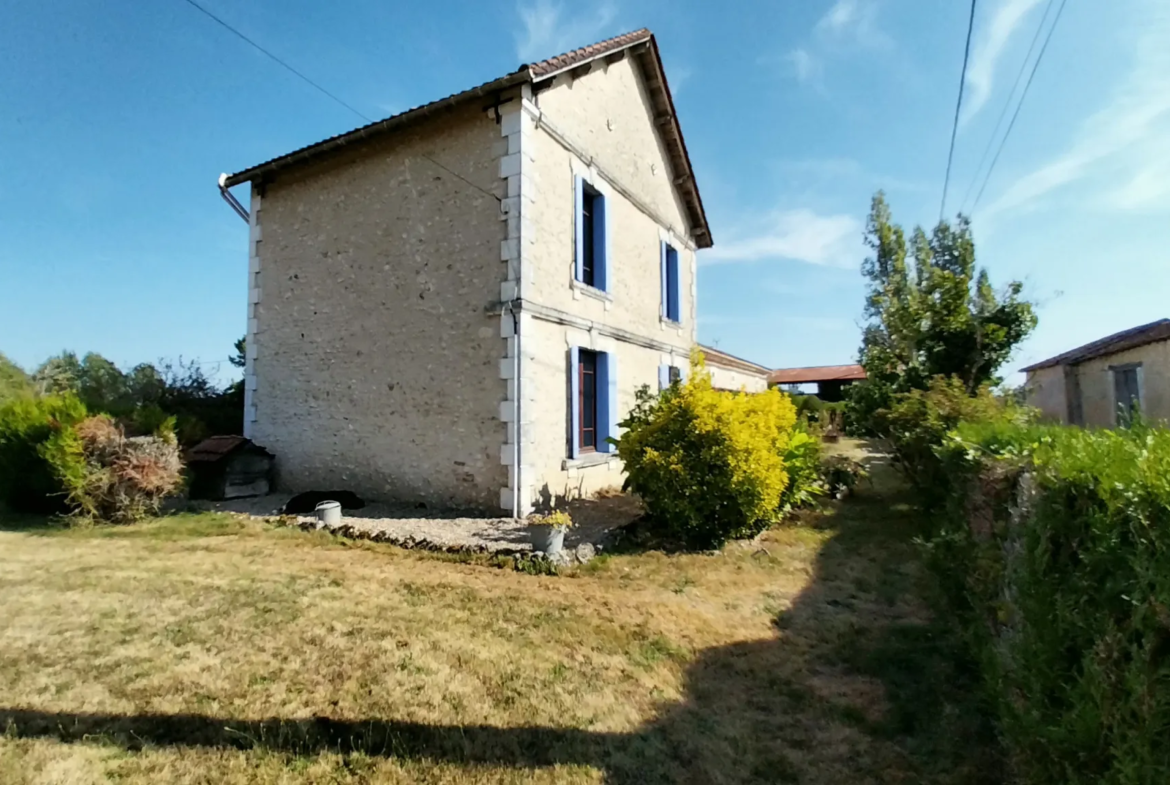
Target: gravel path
{"type": "Point", "coordinates": [411, 527]}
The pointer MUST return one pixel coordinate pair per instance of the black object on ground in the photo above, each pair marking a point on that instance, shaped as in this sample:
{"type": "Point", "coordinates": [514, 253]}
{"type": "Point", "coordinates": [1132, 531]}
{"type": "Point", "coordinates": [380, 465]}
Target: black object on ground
{"type": "Point", "coordinates": [304, 503]}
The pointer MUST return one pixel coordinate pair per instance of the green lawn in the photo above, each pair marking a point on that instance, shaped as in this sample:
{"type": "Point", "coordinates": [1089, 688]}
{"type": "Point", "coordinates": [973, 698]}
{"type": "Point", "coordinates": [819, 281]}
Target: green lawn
{"type": "Point", "coordinates": [210, 649]}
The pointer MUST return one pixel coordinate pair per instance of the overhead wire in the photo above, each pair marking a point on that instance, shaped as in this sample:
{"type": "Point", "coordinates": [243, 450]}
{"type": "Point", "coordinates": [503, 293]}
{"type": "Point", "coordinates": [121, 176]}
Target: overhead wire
{"type": "Point", "coordinates": [274, 58]}
{"type": "Point", "coordinates": [958, 106]}
{"type": "Point", "coordinates": [1007, 105]}
{"type": "Point", "coordinates": [284, 64]}
{"type": "Point", "coordinates": [1023, 95]}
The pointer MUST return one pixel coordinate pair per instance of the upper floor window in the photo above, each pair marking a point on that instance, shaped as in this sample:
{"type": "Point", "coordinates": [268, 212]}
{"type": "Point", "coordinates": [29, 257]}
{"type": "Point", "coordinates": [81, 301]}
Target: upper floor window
{"type": "Point", "coordinates": [592, 230]}
{"type": "Point", "coordinates": [671, 303]}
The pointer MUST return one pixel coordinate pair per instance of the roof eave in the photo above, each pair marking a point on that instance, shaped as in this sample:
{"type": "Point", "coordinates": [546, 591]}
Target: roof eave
{"type": "Point", "coordinates": [378, 128]}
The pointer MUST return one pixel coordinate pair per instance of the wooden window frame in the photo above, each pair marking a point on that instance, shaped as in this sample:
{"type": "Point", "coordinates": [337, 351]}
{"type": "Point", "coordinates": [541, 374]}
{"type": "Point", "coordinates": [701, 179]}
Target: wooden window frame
{"type": "Point", "coordinates": [587, 373]}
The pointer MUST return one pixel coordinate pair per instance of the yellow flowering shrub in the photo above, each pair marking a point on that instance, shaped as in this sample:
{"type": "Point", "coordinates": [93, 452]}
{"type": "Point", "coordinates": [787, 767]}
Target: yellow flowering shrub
{"type": "Point", "coordinates": [708, 464]}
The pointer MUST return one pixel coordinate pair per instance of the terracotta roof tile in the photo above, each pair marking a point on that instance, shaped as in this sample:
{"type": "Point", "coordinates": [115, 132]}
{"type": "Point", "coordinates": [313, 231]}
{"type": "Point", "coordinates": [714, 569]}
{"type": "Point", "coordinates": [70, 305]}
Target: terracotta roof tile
{"type": "Point", "coordinates": [577, 56]}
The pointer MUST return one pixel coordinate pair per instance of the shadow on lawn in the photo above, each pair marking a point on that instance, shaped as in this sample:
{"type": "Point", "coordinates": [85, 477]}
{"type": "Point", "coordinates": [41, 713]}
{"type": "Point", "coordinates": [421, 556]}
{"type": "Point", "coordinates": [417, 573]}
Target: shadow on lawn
{"type": "Point", "coordinates": [858, 686]}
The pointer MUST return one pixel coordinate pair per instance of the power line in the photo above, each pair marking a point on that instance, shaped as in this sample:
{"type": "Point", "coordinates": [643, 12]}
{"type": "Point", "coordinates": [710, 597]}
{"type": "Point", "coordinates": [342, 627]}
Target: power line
{"type": "Point", "coordinates": [1023, 95]}
{"type": "Point", "coordinates": [325, 92]}
{"type": "Point", "coordinates": [958, 105]}
{"type": "Point", "coordinates": [1007, 104]}
{"type": "Point", "coordinates": [274, 58]}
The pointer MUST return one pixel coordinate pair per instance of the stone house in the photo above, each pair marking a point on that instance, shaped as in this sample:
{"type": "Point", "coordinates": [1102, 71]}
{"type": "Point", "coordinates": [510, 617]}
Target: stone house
{"type": "Point", "coordinates": [454, 306]}
{"type": "Point", "coordinates": [1100, 383]}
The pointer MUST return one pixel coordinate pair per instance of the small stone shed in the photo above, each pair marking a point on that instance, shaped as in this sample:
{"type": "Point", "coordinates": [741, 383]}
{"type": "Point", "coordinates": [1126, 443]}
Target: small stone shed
{"type": "Point", "coordinates": [229, 467]}
{"type": "Point", "coordinates": [1101, 383]}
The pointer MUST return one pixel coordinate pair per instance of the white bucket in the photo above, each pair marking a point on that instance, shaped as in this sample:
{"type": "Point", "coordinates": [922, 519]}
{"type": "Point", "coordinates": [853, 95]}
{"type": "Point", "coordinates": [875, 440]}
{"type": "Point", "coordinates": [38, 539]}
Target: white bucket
{"type": "Point", "coordinates": [547, 540]}
{"type": "Point", "coordinates": [328, 513]}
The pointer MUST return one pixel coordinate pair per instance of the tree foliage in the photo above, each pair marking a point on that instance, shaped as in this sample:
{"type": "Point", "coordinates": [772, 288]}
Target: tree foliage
{"type": "Point", "coordinates": [931, 312]}
{"type": "Point", "coordinates": [14, 382]}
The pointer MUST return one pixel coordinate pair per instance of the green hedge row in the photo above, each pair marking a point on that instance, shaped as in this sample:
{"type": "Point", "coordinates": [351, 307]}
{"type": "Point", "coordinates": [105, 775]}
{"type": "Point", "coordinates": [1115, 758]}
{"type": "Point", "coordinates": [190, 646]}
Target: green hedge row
{"type": "Point", "coordinates": [1054, 545]}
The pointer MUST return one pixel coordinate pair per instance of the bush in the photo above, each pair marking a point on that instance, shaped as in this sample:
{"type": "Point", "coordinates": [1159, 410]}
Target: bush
{"type": "Point", "coordinates": [27, 482]}
{"type": "Point", "coordinates": [802, 461]}
{"type": "Point", "coordinates": [1056, 547]}
{"type": "Point", "coordinates": [917, 423]}
{"type": "Point", "coordinates": [709, 465]}
{"type": "Point", "coordinates": [109, 477]}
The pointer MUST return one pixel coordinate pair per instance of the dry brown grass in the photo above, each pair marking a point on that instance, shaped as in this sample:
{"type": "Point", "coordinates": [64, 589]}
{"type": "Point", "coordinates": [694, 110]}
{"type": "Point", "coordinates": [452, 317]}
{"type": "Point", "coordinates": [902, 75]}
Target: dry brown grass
{"type": "Point", "coordinates": [208, 649]}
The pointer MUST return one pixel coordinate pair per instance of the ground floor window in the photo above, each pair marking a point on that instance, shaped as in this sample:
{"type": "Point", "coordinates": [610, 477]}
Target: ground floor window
{"type": "Point", "coordinates": [587, 400]}
{"type": "Point", "coordinates": [593, 401]}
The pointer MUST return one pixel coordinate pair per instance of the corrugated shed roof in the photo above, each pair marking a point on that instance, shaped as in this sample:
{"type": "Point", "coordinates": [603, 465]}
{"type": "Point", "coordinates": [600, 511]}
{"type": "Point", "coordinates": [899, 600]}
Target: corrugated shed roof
{"type": "Point", "coordinates": [1110, 344]}
{"type": "Point", "coordinates": [648, 57]}
{"type": "Point", "coordinates": [715, 357]}
{"type": "Point", "coordinates": [822, 373]}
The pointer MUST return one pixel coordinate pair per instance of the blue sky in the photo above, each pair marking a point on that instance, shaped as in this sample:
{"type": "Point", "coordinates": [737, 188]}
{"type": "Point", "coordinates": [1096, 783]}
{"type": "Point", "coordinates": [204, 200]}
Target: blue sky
{"type": "Point", "coordinates": [117, 119]}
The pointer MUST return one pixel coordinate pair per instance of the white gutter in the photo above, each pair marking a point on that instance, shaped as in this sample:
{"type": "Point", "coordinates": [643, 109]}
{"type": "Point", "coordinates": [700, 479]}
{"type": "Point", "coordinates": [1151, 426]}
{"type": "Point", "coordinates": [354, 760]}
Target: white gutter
{"type": "Point", "coordinates": [516, 454]}
{"type": "Point", "coordinates": [232, 201]}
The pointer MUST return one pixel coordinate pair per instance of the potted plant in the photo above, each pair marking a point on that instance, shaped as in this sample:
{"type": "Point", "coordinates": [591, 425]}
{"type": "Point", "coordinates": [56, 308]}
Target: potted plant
{"type": "Point", "coordinates": [548, 531]}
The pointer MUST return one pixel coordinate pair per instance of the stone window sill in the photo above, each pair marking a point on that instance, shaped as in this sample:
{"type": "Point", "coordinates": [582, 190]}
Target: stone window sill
{"type": "Point", "coordinates": [590, 459]}
{"type": "Point", "coordinates": [669, 323]}
{"type": "Point", "coordinates": [591, 291]}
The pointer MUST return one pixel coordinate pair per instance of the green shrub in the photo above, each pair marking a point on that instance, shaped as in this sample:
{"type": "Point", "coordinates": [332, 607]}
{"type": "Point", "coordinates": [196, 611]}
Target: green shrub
{"type": "Point", "coordinates": [802, 461]}
{"type": "Point", "coordinates": [1055, 544]}
{"type": "Point", "coordinates": [109, 477]}
{"type": "Point", "coordinates": [27, 482]}
{"type": "Point", "coordinates": [709, 465]}
{"type": "Point", "coordinates": [917, 423]}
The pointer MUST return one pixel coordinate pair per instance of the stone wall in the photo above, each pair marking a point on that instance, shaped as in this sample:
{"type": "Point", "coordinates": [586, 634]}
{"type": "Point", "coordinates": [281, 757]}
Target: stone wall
{"type": "Point", "coordinates": [598, 126]}
{"type": "Point", "coordinates": [1096, 383]}
{"type": "Point", "coordinates": [373, 354]}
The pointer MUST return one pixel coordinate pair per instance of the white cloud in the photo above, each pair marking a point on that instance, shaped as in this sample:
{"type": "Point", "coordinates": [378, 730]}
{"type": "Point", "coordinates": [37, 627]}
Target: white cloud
{"type": "Point", "coordinates": [853, 21]}
{"type": "Point", "coordinates": [989, 45]}
{"type": "Point", "coordinates": [800, 235]}
{"type": "Point", "coordinates": [805, 65]}
{"type": "Point", "coordinates": [845, 27]}
{"type": "Point", "coordinates": [548, 31]}
{"type": "Point", "coordinates": [1123, 138]}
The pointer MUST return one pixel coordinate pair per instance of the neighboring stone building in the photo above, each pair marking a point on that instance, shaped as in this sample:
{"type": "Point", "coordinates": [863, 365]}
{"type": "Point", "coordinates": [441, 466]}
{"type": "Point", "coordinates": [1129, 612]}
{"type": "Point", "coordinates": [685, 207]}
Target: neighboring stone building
{"type": "Point", "coordinates": [729, 372]}
{"type": "Point", "coordinates": [1098, 384]}
{"type": "Point", "coordinates": [455, 305]}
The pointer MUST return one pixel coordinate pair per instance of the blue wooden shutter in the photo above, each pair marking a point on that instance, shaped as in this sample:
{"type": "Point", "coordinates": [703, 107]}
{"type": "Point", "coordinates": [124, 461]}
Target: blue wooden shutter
{"type": "Point", "coordinates": [672, 291]}
{"type": "Point", "coordinates": [601, 235]}
{"type": "Point", "coordinates": [574, 402]}
{"type": "Point", "coordinates": [662, 266]}
{"type": "Point", "coordinates": [663, 377]}
{"type": "Point", "coordinates": [607, 402]}
{"type": "Point", "coordinates": [579, 227]}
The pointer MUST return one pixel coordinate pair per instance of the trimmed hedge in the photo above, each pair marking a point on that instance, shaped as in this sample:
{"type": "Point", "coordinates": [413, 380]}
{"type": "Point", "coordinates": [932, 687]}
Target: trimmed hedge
{"type": "Point", "coordinates": [1054, 546]}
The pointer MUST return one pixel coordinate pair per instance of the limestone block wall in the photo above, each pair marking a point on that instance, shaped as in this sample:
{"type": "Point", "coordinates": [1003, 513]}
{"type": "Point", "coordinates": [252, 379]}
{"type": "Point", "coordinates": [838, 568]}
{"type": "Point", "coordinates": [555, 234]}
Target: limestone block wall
{"type": "Point", "coordinates": [598, 126]}
{"type": "Point", "coordinates": [1097, 391]}
{"type": "Point", "coordinates": [1046, 392]}
{"type": "Point", "coordinates": [373, 353]}
{"type": "Point", "coordinates": [723, 378]}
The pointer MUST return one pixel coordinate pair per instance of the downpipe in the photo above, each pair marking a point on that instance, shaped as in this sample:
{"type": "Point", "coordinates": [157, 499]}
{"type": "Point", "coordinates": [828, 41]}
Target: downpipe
{"type": "Point", "coordinates": [232, 201]}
